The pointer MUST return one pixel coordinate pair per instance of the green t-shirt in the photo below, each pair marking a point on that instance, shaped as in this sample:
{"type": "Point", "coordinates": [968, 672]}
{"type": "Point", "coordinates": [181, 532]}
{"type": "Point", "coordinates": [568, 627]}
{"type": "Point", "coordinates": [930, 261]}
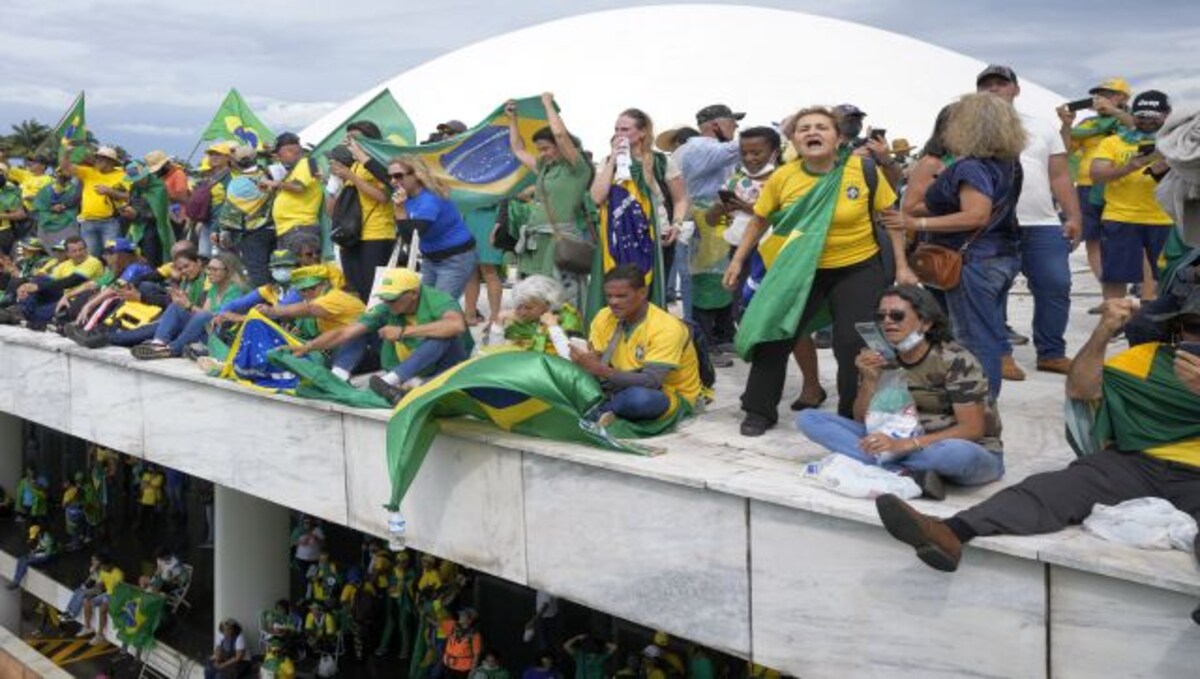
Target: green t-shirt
{"type": "Point", "coordinates": [51, 195]}
{"type": "Point", "coordinates": [589, 665]}
{"type": "Point", "coordinates": [562, 186]}
{"type": "Point", "coordinates": [215, 300]}
{"type": "Point", "coordinates": [10, 200]}
{"type": "Point", "coordinates": [194, 289]}
{"type": "Point", "coordinates": [431, 306]}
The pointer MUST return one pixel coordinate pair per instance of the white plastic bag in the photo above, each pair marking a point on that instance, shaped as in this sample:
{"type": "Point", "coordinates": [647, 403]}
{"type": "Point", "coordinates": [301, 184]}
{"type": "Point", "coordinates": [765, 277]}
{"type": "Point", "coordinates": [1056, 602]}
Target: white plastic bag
{"type": "Point", "coordinates": [847, 476]}
{"type": "Point", "coordinates": [327, 667]}
{"type": "Point", "coordinates": [1145, 523]}
{"type": "Point", "coordinates": [892, 410]}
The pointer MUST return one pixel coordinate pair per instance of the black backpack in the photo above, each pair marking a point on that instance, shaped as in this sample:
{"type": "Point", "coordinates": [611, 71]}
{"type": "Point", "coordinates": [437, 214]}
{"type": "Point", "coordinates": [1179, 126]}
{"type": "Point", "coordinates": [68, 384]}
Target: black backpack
{"type": "Point", "coordinates": [708, 374]}
{"type": "Point", "coordinates": [347, 219]}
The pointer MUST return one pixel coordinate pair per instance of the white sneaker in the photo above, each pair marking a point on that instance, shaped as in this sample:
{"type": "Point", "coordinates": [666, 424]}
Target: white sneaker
{"type": "Point", "coordinates": [85, 632]}
{"type": "Point", "coordinates": [96, 640]}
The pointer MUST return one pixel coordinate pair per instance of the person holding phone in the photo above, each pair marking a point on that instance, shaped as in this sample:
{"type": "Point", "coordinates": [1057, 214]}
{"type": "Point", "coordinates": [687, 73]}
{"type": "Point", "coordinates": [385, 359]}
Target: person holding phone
{"type": "Point", "coordinates": [961, 426]}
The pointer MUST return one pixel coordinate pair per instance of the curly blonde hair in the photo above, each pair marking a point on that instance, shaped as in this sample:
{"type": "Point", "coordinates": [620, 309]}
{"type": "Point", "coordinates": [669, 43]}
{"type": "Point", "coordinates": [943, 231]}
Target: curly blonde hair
{"type": "Point", "coordinates": [983, 125]}
{"type": "Point", "coordinates": [789, 123]}
{"type": "Point", "coordinates": [420, 169]}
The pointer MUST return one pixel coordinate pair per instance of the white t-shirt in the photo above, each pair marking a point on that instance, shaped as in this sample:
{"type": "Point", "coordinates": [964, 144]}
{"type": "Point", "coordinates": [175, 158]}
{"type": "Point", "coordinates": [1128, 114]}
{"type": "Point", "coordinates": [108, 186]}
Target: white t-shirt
{"type": "Point", "coordinates": [548, 600]}
{"type": "Point", "coordinates": [1036, 206]}
{"type": "Point", "coordinates": [308, 545]}
{"type": "Point", "coordinates": [239, 644]}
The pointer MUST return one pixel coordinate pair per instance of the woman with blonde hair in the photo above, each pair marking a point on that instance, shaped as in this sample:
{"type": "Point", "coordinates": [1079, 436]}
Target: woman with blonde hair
{"type": "Point", "coordinates": [971, 208]}
{"type": "Point", "coordinates": [821, 258]}
{"type": "Point", "coordinates": [423, 206]}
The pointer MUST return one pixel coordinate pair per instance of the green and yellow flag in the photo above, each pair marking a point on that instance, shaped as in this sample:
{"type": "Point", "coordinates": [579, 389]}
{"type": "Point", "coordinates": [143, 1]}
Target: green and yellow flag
{"type": "Point", "coordinates": [384, 111]}
{"type": "Point", "coordinates": [234, 121]}
{"type": "Point", "coordinates": [519, 391]}
{"type": "Point", "coordinates": [70, 131]}
{"type": "Point", "coordinates": [135, 614]}
{"type": "Point", "coordinates": [477, 165]}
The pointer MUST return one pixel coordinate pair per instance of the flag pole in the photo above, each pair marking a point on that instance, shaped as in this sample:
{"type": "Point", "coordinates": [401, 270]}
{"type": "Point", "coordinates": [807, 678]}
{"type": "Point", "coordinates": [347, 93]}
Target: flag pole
{"type": "Point", "coordinates": [194, 149]}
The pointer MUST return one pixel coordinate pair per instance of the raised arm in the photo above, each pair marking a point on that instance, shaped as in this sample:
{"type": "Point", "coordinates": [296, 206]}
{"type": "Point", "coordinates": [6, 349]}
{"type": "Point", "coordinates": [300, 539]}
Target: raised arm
{"type": "Point", "coordinates": [515, 143]}
{"type": "Point", "coordinates": [562, 138]}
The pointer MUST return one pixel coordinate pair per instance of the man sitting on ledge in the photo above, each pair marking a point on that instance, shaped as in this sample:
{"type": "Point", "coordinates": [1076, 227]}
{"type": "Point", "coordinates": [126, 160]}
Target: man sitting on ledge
{"type": "Point", "coordinates": [1149, 417]}
{"type": "Point", "coordinates": [423, 331]}
{"type": "Point", "coordinates": [641, 354]}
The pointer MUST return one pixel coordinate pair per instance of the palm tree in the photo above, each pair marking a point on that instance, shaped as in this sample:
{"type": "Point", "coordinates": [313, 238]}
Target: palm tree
{"type": "Point", "coordinates": [27, 136]}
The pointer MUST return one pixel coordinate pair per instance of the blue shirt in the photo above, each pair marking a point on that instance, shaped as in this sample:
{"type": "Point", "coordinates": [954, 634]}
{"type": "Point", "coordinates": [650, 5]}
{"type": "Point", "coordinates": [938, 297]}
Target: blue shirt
{"type": "Point", "coordinates": [999, 180]}
{"type": "Point", "coordinates": [706, 165]}
{"type": "Point", "coordinates": [446, 226]}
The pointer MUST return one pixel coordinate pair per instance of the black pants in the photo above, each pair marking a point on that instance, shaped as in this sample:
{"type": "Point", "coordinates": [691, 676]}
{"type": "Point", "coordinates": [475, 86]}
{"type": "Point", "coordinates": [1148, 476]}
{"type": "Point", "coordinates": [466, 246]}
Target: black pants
{"type": "Point", "coordinates": [851, 292]}
{"type": "Point", "coordinates": [1044, 503]}
{"type": "Point", "coordinates": [360, 260]}
{"type": "Point", "coordinates": [717, 324]}
{"type": "Point", "coordinates": [254, 249]}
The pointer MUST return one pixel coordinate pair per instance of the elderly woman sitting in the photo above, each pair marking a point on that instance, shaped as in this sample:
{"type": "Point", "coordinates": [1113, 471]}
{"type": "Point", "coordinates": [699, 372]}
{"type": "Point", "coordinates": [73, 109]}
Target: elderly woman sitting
{"type": "Point", "coordinates": [539, 320]}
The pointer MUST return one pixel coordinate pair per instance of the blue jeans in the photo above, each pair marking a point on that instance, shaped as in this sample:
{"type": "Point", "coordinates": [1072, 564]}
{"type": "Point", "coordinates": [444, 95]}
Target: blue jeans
{"type": "Point", "coordinates": [965, 463]}
{"type": "Point", "coordinates": [75, 605]}
{"type": "Point", "coordinates": [134, 337]}
{"type": "Point", "coordinates": [451, 274]}
{"type": "Point", "coordinates": [24, 562]}
{"type": "Point", "coordinates": [349, 355]}
{"type": "Point", "coordinates": [431, 357]}
{"type": "Point", "coordinates": [977, 311]}
{"type": "Point", "coordinates": [97, 232]}
{"type": "Point", "coordinates": [1044, 253]}
{"type": "Point", "coordinates": [681, 275]}
{"type": "Point", "coordinates": [637, 404]}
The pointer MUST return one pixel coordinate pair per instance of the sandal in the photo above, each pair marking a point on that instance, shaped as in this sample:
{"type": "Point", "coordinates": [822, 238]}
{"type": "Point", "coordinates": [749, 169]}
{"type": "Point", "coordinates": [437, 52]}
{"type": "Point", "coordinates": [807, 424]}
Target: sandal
{"type": "Point", "coordinates": [800, 404]}
{"type": "Point", "coordinates": [151, 351]}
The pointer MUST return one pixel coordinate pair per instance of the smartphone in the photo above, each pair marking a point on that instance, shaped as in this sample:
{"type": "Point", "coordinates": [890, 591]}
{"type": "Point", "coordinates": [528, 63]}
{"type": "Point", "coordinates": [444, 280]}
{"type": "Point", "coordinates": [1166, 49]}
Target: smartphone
{"type": "Point", "coordinates": [726, 195]}
{"type": "Point", "coordinates": [878, 133]}
{"type": "Point", "coordinates": [1192, 348]}
{"type": "Point", "coordinates": [875, 340]}
{"type": "Point", "coordinates": [1146, 148]}
{"type": "Point", "coordinates": [1079, 105]}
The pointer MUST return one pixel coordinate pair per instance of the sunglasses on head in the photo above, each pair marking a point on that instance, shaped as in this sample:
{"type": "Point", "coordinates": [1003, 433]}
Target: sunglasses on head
{"type": "Point", "coordinates": [894, 315]}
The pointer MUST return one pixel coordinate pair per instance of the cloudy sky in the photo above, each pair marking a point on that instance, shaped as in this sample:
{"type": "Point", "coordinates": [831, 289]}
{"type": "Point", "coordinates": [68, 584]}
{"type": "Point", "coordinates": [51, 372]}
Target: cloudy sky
{"type": "Point", "coordinates": [154, 72]}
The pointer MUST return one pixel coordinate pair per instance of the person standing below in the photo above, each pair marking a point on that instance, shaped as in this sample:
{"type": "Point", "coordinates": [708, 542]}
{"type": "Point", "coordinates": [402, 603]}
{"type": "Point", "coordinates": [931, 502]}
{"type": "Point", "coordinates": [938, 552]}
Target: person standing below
{"type": "Point", "coordinates": [296, 209]}
{"type": "Point", "coordinates": [369, 179]}
{"type": "Point", "coordinates": [422, 205]}
{"type": "Point", "coordinates": [1109, 101]}
{"type": "Point", "coordinates": [101, 192]}
{"type": "Point", "coordinates": [1134, 227]}
{"type": "Point", "coordinates": [1045, 240]}
{"type": "Point", "coordinates": [563, 178]}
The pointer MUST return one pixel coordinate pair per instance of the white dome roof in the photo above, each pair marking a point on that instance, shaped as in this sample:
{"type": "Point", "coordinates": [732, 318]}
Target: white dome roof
{"type": "Point", "coordinates": [672, 60]}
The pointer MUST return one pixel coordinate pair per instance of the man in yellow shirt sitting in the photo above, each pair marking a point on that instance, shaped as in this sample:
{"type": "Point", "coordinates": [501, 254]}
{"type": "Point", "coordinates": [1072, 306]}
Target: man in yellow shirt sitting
{"type": "Point", "coordinates": [642, 355]}
{"type": "Point", "coordinates": [1148, 419]}
{"type": "Point", "coordinates": [331, 308]}
{"type": "Point", "coordinates": [102, 191]}
{"type": "Point", "coordinates": [38, 298]}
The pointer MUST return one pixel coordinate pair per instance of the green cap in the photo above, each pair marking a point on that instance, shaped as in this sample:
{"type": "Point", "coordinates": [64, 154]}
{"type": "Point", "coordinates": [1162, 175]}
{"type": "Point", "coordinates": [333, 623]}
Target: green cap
{"type": "Point", "coordinates": [283, 257]}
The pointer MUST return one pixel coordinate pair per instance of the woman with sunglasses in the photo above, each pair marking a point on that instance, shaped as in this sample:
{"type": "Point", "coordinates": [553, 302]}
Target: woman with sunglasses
{"type": "Point", "coordinates": [423, 206]}
{"type": "Point", "coordinates": [960, 439]}
{"type": "Point", "coordinates": [186, 321]}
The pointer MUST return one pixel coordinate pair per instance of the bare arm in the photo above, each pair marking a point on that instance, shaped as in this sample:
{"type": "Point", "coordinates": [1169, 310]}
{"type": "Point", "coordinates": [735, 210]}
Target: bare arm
{"type": "Point", "coordinates": [603, 180]}
{"type": "Point", "coordinates": [1064, 192]}
{"type": "Point", "coordinates": [451, 324]}
{"type": "Point", "coordinates": [298, 310]}
{"type": "Point", "coordinates": [562, 138]}
{"type": "Point", "coordinates": [1085, 379]}
{"type": "Point", "coordinates": [754, 231]}
{"type": "Point", "coordinates": [919, 180]}
{"type": "Point", "coordinates": [1104, 170]}
{"type": "Point", "coordinates": [975, 211]}
{"type": "Point", "coordinates": [515, 143]}
{"type": "Point", "coordinates": [334, 338]}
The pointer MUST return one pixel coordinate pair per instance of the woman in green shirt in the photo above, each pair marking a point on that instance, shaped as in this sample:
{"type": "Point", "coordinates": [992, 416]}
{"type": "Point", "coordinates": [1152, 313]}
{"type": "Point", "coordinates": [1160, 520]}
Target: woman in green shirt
{"type": "Point", "coordinates": [194, 303]}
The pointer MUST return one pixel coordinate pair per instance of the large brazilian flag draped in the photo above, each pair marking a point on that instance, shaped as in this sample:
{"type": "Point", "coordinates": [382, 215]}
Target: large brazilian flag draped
{"type": "Point", "coordinates": [790, 254]}
{"type": "Point", "coordinates": [135, 614]}
{"type": "Point", "coordinates": [384, 111]}
{"type": "Point", "coordinates": [236, 122]}
{"type": "Point", "coordinates": [477, 165]}
{"type": "Point", "coordinates": [520, 391]}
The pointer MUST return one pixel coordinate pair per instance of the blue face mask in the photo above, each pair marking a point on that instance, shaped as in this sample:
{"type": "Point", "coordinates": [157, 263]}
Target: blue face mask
{"type": "Point", "coordinates": [281, 275]}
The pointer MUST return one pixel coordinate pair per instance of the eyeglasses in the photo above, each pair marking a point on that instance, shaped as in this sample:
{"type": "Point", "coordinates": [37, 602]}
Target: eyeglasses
{"type": "Point", "coordinates": [894, 315]}
{"type": "Point", "coordinates": [399, 175]}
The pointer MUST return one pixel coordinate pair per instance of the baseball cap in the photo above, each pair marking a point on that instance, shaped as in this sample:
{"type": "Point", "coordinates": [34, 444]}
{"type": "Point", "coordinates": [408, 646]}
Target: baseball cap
{"type": "Point", "coordinates": [120, 245]}
{"type": "Point", "coordinates": [452, 126]}
{"type": "Point", "coordinates": [286, 139]}
{"type": "Point", "coordinates": [283, 257]}
{"type": "Point", "coordinates": [156, 159]}
{"type": "Point", "coordinates": [309, 276]}
{"type": "Point", "coordinates": [33, 245]}
{"type": "Point", "coordinates": [1113, 85]}
{"type": "Point", "coordinates": [1150, 103]}
{"type": "Point", "coordinates": [221, 148]}
{"type": "Point", "coordinates": [397, 282]}
{"type": "Point", "coordinates": [60, 246]}
{"type": "Point", "coordinates": [847, 110]}
{"type": "Point", "coordinates": [716, 112]}
{"type": "Point", "coordinates": [341, 153]}
{"type": "Point", "coordinates": [996, 70]}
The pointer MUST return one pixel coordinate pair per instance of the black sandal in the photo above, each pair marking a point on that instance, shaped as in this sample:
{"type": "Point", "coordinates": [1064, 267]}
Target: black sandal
{"type": "Point", "coordinates": [800, 404]}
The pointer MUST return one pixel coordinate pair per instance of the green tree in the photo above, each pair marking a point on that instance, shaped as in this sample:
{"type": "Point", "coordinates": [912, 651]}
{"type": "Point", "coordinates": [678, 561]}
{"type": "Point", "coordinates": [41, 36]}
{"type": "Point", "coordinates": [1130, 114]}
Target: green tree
{"type": "Point", "coordinates": [26, 137]}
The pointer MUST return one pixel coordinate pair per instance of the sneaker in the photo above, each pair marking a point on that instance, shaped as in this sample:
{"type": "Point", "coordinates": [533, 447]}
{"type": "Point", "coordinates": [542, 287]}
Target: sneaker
{"type": "Point", "coordinates": [195, 351]}
{"type": "Point", "coordinates": [1060, 365]}
{"type": "Point", "coordinates": [935, 543]}
{"type": "Point", "coordinates": [720, 360]}
{"type": "Point", "coordinates": [1015, 338]}
{"type": "Point", "coordinates": [96, 640]}
{"type": "Point", "coordinates": [755, 425]}
{"type": "Point", "coordinates": [1010, 371]}
{"type": "Point", "coordinates": [823, 338]}
{"type": "Point", "coordinates": [149, 351]}
{"type": "Point", "coordinates": [382, 388]}
{"type": "Point", "coordinates": [85, 632]}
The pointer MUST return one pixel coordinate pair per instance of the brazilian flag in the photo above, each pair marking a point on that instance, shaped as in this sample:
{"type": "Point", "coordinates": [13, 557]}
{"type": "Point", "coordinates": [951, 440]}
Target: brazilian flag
{"type": "Point", "coordinates": [135, 615]}
{"type": "Point", "coordinates": [236, 122]}
{"type": "Point", "coordinates": [71, 131]}
{"type": "Point", "coordinates": [519, 391]}
{"type": "Point", "coordinates": [384, 111]}
{"type": "Point", "coordinates": [477, 165]}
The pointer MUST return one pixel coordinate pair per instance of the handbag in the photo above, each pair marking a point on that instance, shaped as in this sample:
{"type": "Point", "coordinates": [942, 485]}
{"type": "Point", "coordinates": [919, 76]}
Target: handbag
{"type": "Point", "coordinates": [572, 252]}
{"type": "Point", "coordinates": [347, 218]}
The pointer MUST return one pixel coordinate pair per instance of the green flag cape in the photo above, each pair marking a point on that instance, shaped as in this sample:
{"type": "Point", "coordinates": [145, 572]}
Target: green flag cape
{"type": "Point", "coordinates": [798, 235]}
{"type": "Point", "coordinates": [477, 165]}
{"type": "Point", "coordinates": [154, 192]}
{"type": "Point", "coordinates": [135, 614]}
{"type": "Point", "coordinates": [1138, 414]}
{"type": "Point", "coordinates": [384, 111]}
{"type": "Point", "coordinates": [235, 121]}
{"type": "Point", "coordinates": [521, 391]}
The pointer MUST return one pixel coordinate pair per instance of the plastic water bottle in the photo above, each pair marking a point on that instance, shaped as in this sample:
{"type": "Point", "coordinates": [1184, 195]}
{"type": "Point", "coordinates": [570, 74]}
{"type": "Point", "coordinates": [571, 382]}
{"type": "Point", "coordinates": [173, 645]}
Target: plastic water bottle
{"type": "Point", "coordinates": [397, 527]}
{"type": "Point", "coordinates": [623, 163]}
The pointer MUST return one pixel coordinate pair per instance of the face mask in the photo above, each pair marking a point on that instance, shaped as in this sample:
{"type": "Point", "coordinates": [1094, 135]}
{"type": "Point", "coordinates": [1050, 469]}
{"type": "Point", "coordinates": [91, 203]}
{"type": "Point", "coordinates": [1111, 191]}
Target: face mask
{"type": "Point", "coordinates": [909, 343]}
{"type": "Point", "coordinates": [766, 170]}
{"type": "Point", "coordinates": [281, 275]}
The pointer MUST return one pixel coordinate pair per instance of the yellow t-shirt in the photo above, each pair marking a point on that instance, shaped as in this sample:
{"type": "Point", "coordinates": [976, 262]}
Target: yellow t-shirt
{"type": "Point", "coordinates": [29, 182]}
{"type": "Point", "coordinates": [93, 206]}
{"type": "Point", "coordinates": [152, 488]}
{"type": "Point", "coordinates": [430, 579]}
{"type": "Point", "coordinates": [91, 268]}
{"type": "Point", "coordinates": [851, 238]}
{"type": "Point", "coordinates": [659, 339]}
{"type": "Point", "coordinates": [1137, 362]}
{"type": "Point", "coordinates": [297, 209]}
{"type": "Point", "coordinates": [111, 578]}
{"type": "Point", "coordinates": [1129, 199]}
{"type": "Point", "coordinates": [379, 221]}
{"type": "Point", "coordinates": [343, 308]}
{"type": "Point", "coordinates": [1086, 147]}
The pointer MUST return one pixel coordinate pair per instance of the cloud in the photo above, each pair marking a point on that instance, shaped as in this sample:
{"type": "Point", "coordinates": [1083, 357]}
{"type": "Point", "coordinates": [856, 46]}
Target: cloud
{"type": "Point", "coordinates": [289, 115]}
{"type": "Point", "coordinates": [154, 130]}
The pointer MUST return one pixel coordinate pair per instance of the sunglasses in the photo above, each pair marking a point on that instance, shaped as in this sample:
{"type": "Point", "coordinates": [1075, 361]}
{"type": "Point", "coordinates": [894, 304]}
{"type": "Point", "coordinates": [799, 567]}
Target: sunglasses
{"type": "Point", "coordinates": [894, 315]}
{"type": "Point", "coordinates": [399, 175]}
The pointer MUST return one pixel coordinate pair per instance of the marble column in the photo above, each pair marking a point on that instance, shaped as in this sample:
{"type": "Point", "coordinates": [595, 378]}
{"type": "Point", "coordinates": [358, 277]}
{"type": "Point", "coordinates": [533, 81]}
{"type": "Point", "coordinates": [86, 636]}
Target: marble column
{"type": "Point", "coordinates": [10, 473]}
{"type": "Point", "coordinates": [250, 559]}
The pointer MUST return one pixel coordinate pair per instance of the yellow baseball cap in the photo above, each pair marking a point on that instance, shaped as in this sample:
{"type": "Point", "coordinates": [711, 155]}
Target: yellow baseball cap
{"type": "Point", "coordinates": [396, 282]}
{"type": "Point", "coordinates": [309, 276]}
{"type": "Point", "coordinates": [1113, 85]}
{"type": "Point", "coordinates": [223, 148]}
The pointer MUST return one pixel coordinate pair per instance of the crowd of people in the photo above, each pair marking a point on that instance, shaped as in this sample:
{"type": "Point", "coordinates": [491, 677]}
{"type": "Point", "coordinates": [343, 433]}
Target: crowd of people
{"type": "Point", "coordinates": [774, 240]}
